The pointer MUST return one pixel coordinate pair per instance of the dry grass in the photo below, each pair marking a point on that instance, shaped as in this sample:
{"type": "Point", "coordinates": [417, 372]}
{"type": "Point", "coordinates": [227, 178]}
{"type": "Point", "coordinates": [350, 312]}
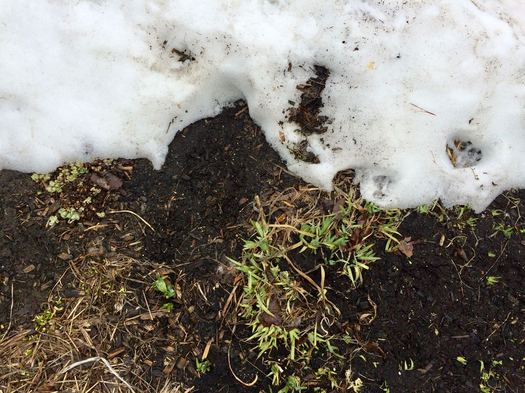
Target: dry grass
{"type": "Point", "coordinates": [90, 336]}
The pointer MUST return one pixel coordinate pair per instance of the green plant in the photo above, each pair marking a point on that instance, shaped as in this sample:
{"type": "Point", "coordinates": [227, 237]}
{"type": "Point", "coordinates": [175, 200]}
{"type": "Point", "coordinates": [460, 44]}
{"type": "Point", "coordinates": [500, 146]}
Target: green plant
{"type": "Point", "coordinates": [505, 230]}
{"type": "Point", "coordinates": [293, 384]}
{"type": "Point", "coordinates": [492, 280]}
{"type": "Point", "coordinates": [202, 366]}
{"type": "Point", "coordinates": [168, 307]}
{"type": "Point", "coordinates": [288, 309]}
{"type": "Point", "coordinates": [43, 319]}
{"type": "Point", "coordinates": [70, 214]}
{"type": "Point", "coordinates": [489, 377]}
{"type": "Point", "coordinates": [407, 366]}
{"type": "Point", "coordinates": [328, 374]}
{"type": "Point", "coordinates": [65, 174]}
{"type": "Point", "coordinates": [52, 221]}
{"type": "Point", "coordinates": [275, 373]}
{"type": "Point", "coordinates": [423, 209]}
{"type": "Point", "coordinates": [163, 286]}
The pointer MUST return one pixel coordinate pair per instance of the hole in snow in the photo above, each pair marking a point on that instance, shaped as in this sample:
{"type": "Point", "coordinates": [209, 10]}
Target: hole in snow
{"type": "Point", "coordinates": [463, 154]}
{"type": "Point", "coordinates": [307, 114]}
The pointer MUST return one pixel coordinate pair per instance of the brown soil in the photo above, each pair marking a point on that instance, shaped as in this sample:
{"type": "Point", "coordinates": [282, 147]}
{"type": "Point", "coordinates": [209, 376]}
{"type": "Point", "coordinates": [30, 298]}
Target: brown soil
{"type": "Point", "coordinates": [436, 319]}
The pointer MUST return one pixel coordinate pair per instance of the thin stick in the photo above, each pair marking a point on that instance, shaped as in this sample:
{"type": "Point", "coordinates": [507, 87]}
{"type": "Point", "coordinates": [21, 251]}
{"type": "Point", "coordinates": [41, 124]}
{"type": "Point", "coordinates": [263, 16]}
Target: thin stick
{"type": "Point", "coordinates": [10, 313]}
{"type": "Point", "coordinates": [235, 376]}
{"type": "Point", "coordinates": [106, 363]}
{"type": "Point", "coordinates": [498, 326]}
{"type": "Point", "coordinates": [135, 214]}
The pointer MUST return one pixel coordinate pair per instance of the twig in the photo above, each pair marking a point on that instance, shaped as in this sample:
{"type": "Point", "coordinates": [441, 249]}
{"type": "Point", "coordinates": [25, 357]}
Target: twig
{"type": "Point", "coordinates": [235, 376]}
{"type": "Point", "coordinates": [498, 326]}
{"type": "Point", "coordinates": [423, 109]}
{"type": "Point", "coordinates": [10, 313]}
{"type": "Point", "coordinates": [135, 214]}
{"type": "Point", "coordinates": [97, 359]}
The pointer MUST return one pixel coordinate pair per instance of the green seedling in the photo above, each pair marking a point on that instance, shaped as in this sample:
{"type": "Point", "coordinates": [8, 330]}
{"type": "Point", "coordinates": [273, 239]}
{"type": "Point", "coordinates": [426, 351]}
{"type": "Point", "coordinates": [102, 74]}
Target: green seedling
{"type": "Point", "coordinates": [293, 384]}
{"type": "Point", "coordinates": [505, 230]}
{"type": "Point", "coordinates": [168, 307]}
{"type": "Point", "coordinates": [275, 373]}
{"type": "Point", "coordinates": [424, 209]}
{"type": "Point", "coordinates": [42, 320]}
{"type": "Point", "coordinates": [52, 221]}
{"type": "Point", "coordinates": [407, 366]}
{"type": "Point", "coordinates": [489, 376]}
{"type": "Point", "coordinates": [328, 374]}
{"type": "Point", "coordinates": [492, 280]}
{"type": "Point", "coordinates": [202, 366]}
{"type": "Point", "coordinates": [163, 286]}
{"type": "Point", "coordinates": [40, 178]}
{"type": "Point", "coordinates": [70, 214]}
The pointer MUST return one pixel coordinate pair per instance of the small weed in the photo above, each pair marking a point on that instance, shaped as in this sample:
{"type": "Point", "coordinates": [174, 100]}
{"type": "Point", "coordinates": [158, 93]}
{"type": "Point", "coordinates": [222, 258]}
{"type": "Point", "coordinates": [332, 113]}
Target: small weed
{"type": "Point", "coordinates": [42, 320]}
{"type": "Point", "coordinates": [462, 360]}
{"type": "Point", "coordinates": [52, 221]}
{"type": "Point", "coordinates": [407, 366]}
{"type": "Point", "coordinates": [168, 307]}
{"type": "Point", "coordinates": [503, 229]}
{"type": "Point", "coordinates": [492, 280]}
{"type": "Point", "coordinates": [293, 384]}
{"type": "Point", "coordinates": [70, 214]}
{"type": "Point", "coordinates": [328, 374]}
{"type": "Point", "coordinates": [163, 286]}
{"type": "Point", "coordinates": [202, 366]}
{"type": "Point", "coordinates": [40, 178]}
{"type": "Point", "coordinates": [424, 209]}
{"type": "Point", "coordinates": [66, 174]}
{"type": "Point", "coordinates": [275, 373]}
{"type": "Point", "coordinates": [463, 218]}
{"type": "Point", "coordinates": [489, 377]}
{"type": "Point", "coordinates": [355, 384]}
{"type": "Point", "coordinates": [71, 188]}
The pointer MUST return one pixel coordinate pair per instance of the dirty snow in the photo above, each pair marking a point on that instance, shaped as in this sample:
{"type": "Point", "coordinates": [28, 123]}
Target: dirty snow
{"type": "Point", "coordinates": [119, 78]}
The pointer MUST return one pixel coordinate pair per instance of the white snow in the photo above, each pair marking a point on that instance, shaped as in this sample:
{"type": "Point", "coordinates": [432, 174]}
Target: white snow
{"type": "Point", "coordinates": [99, 78]}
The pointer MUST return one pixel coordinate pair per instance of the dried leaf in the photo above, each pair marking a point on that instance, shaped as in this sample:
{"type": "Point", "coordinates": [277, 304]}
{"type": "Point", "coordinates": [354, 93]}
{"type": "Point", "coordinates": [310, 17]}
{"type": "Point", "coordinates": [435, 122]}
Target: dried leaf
{"type": "Point", "coordinates": [406, 246]}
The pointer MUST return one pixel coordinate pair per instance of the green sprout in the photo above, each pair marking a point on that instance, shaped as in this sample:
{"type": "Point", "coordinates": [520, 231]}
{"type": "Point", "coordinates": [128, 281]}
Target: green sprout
{"type": "Point", "coordinates": [202, 366]}
{"type": "Point", "coordinates": [293, 384]}
{"type": "Point", "coordinates": [70, 214]}
{"type": "Point", "coordinates": [42, 320]}
{"type": "Point", "coordinates": [164, 287]}
{"type": "Point", "coordinates": [492, 280]}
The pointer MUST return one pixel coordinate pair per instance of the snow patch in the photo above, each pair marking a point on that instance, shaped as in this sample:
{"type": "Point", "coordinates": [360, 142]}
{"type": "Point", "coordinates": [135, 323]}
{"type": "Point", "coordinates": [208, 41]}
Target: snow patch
{"type": "Point", "coordinates": [409, 84]}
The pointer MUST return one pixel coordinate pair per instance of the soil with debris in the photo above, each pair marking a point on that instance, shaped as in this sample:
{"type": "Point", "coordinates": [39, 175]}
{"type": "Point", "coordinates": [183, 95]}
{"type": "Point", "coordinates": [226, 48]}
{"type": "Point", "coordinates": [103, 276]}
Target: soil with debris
{"type": "Point", "coordinates": [142, 278]}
